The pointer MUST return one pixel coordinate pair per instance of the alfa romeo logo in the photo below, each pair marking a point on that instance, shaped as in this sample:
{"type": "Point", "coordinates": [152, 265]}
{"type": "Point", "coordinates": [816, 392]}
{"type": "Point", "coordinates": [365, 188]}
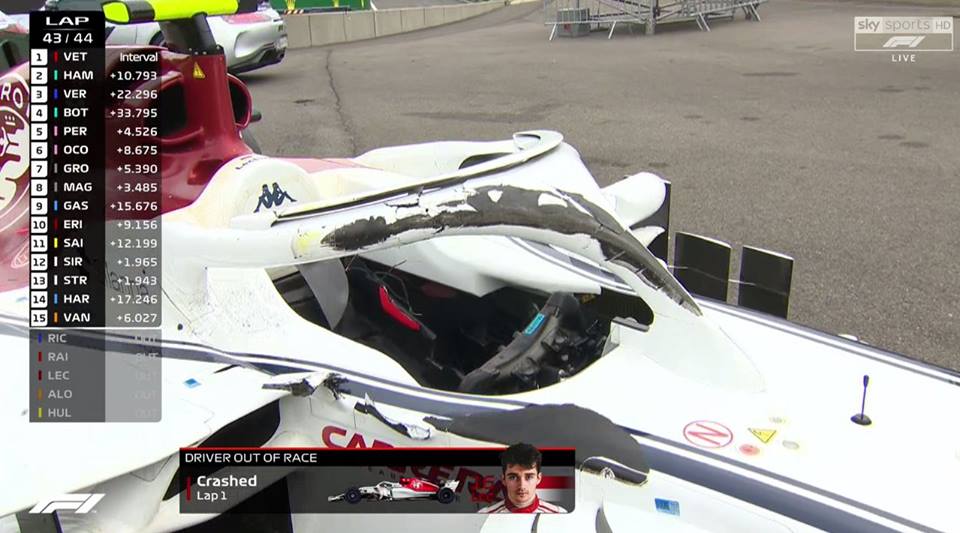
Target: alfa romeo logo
{"type": "Point", "coordinates": [14, 144]}
{"type": "Point", "coordinates": [22, 258]}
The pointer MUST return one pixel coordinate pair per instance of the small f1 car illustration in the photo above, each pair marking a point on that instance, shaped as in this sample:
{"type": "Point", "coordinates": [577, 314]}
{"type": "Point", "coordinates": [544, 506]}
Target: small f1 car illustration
{"type": "Point", "coordinates": [409, 488]}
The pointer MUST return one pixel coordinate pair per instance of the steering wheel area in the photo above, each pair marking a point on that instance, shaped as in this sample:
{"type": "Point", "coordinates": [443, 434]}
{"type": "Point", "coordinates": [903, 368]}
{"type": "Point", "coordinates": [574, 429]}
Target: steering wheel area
{"type": "Point", "coordinates": [546, 351]}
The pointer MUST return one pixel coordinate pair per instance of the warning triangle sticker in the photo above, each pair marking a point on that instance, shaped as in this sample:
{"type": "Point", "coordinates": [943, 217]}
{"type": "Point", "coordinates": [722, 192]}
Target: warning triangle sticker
{"type": "Point", "coordinates": [765, 435]}
{"type": "Point", "coordinates": [198, 72]}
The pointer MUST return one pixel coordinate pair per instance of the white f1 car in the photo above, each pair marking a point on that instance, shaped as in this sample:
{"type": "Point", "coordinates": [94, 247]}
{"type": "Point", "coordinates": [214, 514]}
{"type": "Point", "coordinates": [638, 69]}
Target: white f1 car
{"type": "Point", "coordinates": [481, 294]}
{"type": "Point", "coordinates": [409, 488]}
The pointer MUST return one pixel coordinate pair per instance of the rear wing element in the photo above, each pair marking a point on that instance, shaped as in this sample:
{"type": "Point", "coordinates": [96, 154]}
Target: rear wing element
{"type": "Point", "coordinates": [703, 266]}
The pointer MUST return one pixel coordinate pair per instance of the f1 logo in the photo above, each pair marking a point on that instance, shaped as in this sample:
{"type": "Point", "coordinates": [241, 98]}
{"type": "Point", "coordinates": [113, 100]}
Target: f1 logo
{"type": "Point", "coordinates": [78, 503]}
{"type": "Point", "coordinates": [908, 41]}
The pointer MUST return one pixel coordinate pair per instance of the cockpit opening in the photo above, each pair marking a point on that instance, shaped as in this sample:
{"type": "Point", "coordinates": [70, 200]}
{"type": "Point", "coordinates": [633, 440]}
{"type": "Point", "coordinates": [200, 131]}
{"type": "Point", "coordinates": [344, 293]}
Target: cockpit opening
{"type": "Point", "coordinates": [509, 340]}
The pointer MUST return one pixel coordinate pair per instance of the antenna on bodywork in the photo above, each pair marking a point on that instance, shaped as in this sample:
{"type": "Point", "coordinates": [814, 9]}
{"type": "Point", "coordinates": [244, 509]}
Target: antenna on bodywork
{"type": "Point", "coordinates": [860, 418]}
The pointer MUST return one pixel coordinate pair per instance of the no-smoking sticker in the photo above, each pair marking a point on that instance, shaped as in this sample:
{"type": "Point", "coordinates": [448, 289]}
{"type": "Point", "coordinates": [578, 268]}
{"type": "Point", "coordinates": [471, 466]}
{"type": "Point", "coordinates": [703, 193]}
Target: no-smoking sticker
{"type": "Point", "coordinates": [707, 434]}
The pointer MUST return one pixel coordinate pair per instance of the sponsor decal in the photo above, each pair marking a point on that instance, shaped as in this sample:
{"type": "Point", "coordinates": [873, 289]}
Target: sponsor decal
{"type": "Point", "coordinates": [14, 144]}
{"type": "Point", "coordinates": [198, 73]}
{"type": "Point", "coordinates": [79, 503]}
{"type": "Point", "coordinates": [707, 434]}
{"type": "Point", "coordinates": [22, 257]}
{"type": "Point", "coordinates": [667, 506]}
{"type": "Point", "coordinates": [419, 485]}
{"type": "Point", "coordinates": [272, 198]}
{"type": "Point", "coordinates": [765, 435]}
{"type": "Point", "coordinates": [534, 325]}
{"type": "Point", "coordinates": [749, 449]}
{"type": "Point", "coordinates": [246, 160]}
{"type": "Point", "coordinates": [336, 437]}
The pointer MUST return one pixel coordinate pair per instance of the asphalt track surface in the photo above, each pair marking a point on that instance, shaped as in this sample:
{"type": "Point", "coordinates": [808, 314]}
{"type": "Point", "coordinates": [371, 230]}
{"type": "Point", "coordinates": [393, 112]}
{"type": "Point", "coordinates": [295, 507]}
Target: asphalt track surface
{"type": "Point", "coordinates": [775, 134]}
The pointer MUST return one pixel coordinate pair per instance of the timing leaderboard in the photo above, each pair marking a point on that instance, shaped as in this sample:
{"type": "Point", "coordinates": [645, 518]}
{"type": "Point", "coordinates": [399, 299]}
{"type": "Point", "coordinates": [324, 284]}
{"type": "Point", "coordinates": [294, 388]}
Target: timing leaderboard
{"type": "Point", "coordinates": [94, 224]}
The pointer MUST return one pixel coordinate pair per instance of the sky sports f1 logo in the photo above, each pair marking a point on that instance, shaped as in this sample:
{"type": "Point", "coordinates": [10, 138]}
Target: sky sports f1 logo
{"type": "Point", "coordinates": [903, 34]}
{"type": "Point", "coordinates": [78, 503]}
{"type": "Point", "coordinates": [904, 41]}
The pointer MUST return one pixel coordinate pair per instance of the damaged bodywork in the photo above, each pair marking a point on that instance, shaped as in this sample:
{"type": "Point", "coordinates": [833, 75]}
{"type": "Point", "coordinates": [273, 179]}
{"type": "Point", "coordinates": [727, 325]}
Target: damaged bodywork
{"type": "Point", "coordinates": [508, 205]}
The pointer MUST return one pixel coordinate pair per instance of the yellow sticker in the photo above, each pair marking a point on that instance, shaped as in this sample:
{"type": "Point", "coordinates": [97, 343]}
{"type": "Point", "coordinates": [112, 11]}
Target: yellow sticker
{"type": "Point", "coordinates": [765, 435]}
{"type": "Point", "coordinates": [198, 72]}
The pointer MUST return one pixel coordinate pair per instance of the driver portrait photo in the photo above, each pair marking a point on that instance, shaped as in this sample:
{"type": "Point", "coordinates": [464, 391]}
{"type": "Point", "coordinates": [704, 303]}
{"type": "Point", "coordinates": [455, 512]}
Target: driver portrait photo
{"type": "Point", "coordinates": [521, 477]}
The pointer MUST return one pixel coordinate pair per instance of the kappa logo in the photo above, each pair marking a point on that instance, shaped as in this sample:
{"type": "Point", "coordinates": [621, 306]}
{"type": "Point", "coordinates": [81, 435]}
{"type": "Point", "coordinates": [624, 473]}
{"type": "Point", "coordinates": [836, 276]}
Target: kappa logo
{"type": "Point", "coordinates": [270, 199]}
{"type": "Point", "coordinates": [905, 41]}
{"type": "Point", "coordinates": [79, 503]}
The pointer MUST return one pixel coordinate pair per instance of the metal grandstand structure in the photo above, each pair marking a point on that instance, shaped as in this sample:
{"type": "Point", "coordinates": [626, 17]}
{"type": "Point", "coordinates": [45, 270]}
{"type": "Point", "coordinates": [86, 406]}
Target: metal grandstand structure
{"type": "Point", "coordinates": [575, 18]}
